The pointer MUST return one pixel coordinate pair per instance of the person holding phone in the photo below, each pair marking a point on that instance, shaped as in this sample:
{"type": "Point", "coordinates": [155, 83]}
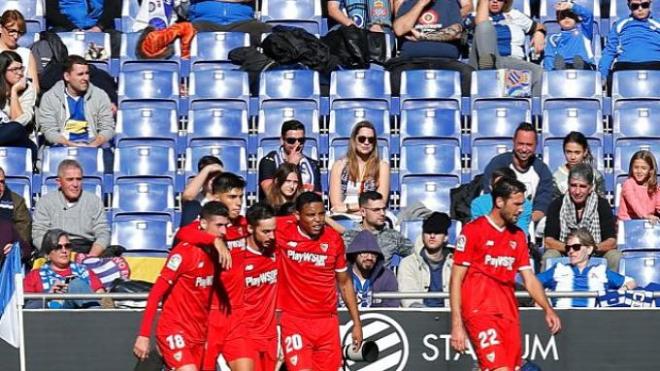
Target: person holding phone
{"type": "Point", "coordinates": [17, 101]}
{"type": "Point", "coordinates": [60, 276]}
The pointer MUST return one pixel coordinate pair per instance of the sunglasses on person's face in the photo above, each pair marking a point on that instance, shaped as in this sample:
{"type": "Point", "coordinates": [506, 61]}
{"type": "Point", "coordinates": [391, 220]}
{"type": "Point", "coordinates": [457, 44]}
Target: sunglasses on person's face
{"type": "Point", "coordinates": [65, 246]}
{"type": "Point", "coordinates": [292, 140]}
{"type": "Point", "coordinates": [575, 247]}
{"type": "Point", "coordinates": [644, 5]}
{"type": "Point", "coordinates": [364, 139]}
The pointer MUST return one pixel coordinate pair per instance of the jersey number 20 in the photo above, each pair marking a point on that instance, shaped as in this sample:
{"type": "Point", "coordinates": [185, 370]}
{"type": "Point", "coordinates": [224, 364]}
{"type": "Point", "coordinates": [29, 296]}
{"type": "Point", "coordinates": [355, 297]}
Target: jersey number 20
{"type": "Point", "coordinates": [293, 342]}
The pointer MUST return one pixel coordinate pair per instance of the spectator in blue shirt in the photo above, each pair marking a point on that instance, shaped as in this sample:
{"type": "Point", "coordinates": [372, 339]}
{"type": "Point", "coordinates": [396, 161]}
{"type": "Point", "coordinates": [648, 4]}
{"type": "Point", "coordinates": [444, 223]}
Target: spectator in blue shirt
{"type": "Point", "coordinates": [580, 274]}
{"type": "Point", "coordinates": [483, 204]}
{"type": "Point", "coordinates": [571, 48]}
{"type": "Point", "coordinates": [634, 42]}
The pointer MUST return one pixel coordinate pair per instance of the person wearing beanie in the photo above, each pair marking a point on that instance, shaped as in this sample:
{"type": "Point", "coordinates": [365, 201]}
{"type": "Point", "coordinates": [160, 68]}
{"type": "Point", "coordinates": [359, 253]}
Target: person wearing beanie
{"type": "Point", "coordinates": [370, 275]}
{"type": "Point", "coordinates": [429, 268]}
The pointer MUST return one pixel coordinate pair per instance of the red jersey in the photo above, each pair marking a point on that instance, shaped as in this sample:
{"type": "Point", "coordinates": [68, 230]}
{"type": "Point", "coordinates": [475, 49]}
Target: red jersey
{"type": "Point", "coordinates": [32, 282]}
{"type": "Point", "coordinates": [186, 282]}
{"type": "Point", "coordinates": [307, 269]}
{"type": "Point", "coordinates": [260, 294]}
{"type": "Point", "coordinates": [494, 255]}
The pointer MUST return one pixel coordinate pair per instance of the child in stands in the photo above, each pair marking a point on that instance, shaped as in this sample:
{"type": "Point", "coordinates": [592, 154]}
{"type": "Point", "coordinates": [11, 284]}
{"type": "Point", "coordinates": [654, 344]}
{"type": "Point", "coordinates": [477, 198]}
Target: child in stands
{"type": "Point", "coordinates": [571, 47]}
{"type": "Point", "coordinates": [640, 196]}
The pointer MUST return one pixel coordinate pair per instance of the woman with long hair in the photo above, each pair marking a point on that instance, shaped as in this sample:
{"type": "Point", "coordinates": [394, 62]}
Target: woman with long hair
{"type": "Point", "coordinates": [361, 170]}
{"type": "Point", "coordinates": [577, 151]}
{"type": "Point", "coordinates": [12, 28]}
{"type": "Point", "coordinates": [287, 185]}
{"type": "Point", "coordinates": [640, 195]}
{"type": "Point", "coordinates": [17, 100]}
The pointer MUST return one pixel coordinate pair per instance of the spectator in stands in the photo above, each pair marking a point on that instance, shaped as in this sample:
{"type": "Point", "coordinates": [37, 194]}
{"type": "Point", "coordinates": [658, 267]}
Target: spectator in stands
{"type": "Point", "coordinates": [581, 207]}
{"type": "Point", "coordinates": [528, 168]}
{"type": "Point", "coordinates": [13, 209]}
{"type": "Point", "coordinates": [429, 268]}
{"type": "Point", "coordinates": [360, 171]}
{"type": "Point", "coordinates": [17, 99]}
{"type": "Point", "coordinates": [370, 275]}
{"type": "Point", "coordinates": [374, 15]}
{"type": "Point", "coordinates": [291, 151]}
{"type": "Point", "coordinates": [226, 16]}
{"type": "Point", "coordinates": [85, 15]}
{"type": "Point", "coordinates": [12, 28]}
{"type": "Point", "coordinates": [499, 39]}
{"type": "Point", "coordinates": [76, 113]}
{"type": "Point", "coordinates": [580, 274]}
{"type": "Point", "coordinates": [373, 208]}
{"type": "Point", "coordinates": [633, 42]}
{"type": "Point", "coordinates": [640, 195]}
{"type": "Point", "coordinates": [483, 204]}
{"type": "Point", "coordinates": [286, 187]}
{"type": "Point", "coordinates": [208, 167]}
{"type": "Point", "coordinates": [9, 236]}
{"type": "Point", "coordinates": [576, 151]}
{"type": "Point", "coordinates": [79, 213]}
{"type": "Point", "coordinates": [571, 48]}
{"type": "Point", "coordinates": [431, 33]}
{"type": "Point", "coordinates": [59, 275]}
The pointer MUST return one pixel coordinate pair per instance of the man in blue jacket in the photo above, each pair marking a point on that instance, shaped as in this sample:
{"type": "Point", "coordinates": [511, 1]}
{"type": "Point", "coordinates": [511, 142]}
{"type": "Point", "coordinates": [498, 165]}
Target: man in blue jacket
{"type": "Point", "coordinates": [530, 170]}
{"type": "Point", "coordinates": [369, 273]}
{"type": "Point", "coordinates": [634, 42]}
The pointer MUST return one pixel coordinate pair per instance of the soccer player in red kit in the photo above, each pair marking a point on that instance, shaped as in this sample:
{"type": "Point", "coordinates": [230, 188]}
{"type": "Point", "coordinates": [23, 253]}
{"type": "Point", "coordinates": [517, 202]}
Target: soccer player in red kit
{"type": "Point", "coordinates": [312, 265]}
{"type": "Point", "coordinates": [261, 286]}
{"type": "Point", "coordinates": [489, 253]}
{"type": "Point", "coordinates": [227, 333]}
{"type": "Point", "coordinates": [186, 287]}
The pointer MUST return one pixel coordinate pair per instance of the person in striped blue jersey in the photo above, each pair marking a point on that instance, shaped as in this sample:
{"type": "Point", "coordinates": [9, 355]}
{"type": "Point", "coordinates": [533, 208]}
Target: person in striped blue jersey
{"type": "Point", "coordinates": [580, 274]}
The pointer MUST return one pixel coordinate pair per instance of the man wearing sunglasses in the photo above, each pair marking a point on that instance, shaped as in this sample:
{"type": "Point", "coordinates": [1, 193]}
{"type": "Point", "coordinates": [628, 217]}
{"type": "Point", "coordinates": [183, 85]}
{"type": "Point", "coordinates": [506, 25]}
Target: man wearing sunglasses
{"type": "Point", "coordinates": [634, 42]}
{"type": "Point", "coordinates": [292, 142]}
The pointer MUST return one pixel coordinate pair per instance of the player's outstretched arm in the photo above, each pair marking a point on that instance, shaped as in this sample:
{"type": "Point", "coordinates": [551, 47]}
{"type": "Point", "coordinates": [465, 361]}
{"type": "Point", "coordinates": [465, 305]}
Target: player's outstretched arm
{"type": "Point", "coordinates": [158, 291]}
{"type": "Point", "coordinates": [537, 293]}
{"type": "Point", "coordinates": [458, 335]}
{"type": "Point", "coordinates": [348, 295]}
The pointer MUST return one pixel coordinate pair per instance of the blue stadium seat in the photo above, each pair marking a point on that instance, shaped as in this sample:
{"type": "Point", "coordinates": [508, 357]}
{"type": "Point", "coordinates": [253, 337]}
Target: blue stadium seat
{"type": "Point", "coordinates": [142, 232]}
{"type": "Point", "coordinates": [127, 54]}
{"type": "Point", "coordinates": [30, 37]}
{"type": "Point", "coordinates": [214, 84]}
{"type": "Point", "coordinates": [129, 11]}
{"type": "Point", "coordinates": [365, 88]}
{"type": "Point", "coordinates": [430, 156]}
{"type": "Point", "coordinates": [342, 121]}
{"type": "Point", "coordinates": [17, 162]}
{"type": "Point", "coordinates": [139, 196]}
{"type": "Point", "coordinates": [299, 87]}
{"type": "Point", "coordinates": [90, 159]}
{"type": "Point", "coordinates": [145, 159]}
{"type": "Point", "coordinates": [571, 85]}
{"type": "Point", "coordinates": [79, 42]}
{"type": "Point", "coordinates": [214, 47]}
{"type": "Point", "coordinates": [486, 86]}
{"type": "Point", "coordinates": [430, 86]}
{"type": "Point", "coordinates": [270, 121]}
{"type": "Point", "coordinates": [644, 267]}
{"type": "Point", "coordinates": [492, 119]}
{"type": "Point", "coordinates": [636, 119]}
{"type": "Point", "coordinates": [432, 191]}
{"type": "Point", "coordinates": [345, 221]}
{"type": "Point", "coordinates": [635, 85]}
{"type": "Point", "coordinates": [562, 119]}
{"type": "Point", "coordinates": [624, 150]}
{"type": "Point", "coordinates": [638, 234]}
{"type": "Point", "coordinates": [212, 120]}
{"type": "Point", "coordinates": [32, 10]}
{"type": "Point", "coordinates": [149, 82]}
{"type": "Point", "coordinates": [412, 229]}
{"type": "Point", "coordinates": [233, 154]}
{"type": "Point", "coordinates": [22, 187]}
{"type": "Point", "coordinates": [152, 120]}
{"type": "Point", "coordinates": [306, 14]}
{"type": "Point", "coordinates": [484, 150]}
{"type": "Point", "coordinates": [553, 153]}
{"type": "Point", "coordinates": [430, 123]}
{"type": "Point", "coordinates": [50, 185]}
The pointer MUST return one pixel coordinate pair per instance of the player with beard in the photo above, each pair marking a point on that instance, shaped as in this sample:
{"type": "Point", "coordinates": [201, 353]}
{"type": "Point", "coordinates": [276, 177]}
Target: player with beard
{"type": "Point", "coordinates": [227, 330]}
{"type": "Point", "coordinates": [185, 286]}
{"type": "Point", "coordinates": [261, 286]}
{"type": "Point", "coordinates": [489, 253]}
{"type": "Point", "coordinates": [312, 265]}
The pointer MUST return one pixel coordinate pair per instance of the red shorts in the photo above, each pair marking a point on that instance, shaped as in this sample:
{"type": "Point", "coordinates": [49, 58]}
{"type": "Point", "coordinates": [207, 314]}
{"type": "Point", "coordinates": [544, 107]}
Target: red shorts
{"type": "Point", "coordinates": [227, 336]}
{"type": "Point", "coordinates": [266, 353]}
{"type": "Point", "coordinates": [496, 341]}
{"type": "Point", "coordinates": [311, 343]}
{"type": "Point", "coordinates": [178, 350]}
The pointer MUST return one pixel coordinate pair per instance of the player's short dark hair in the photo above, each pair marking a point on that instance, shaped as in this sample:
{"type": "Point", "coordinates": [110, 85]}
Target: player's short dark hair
{"type": "Point", "coordinates": [291, 125]}
{"type": "Point", "coordinates": [214, 208]}
{"type": "Point", "coordinates": [307, 198]}
{"type": "Point", "coordinates": [208, 160]}
{"type": "Point", "coordinates": [506, 172]}
{"type": "Point", "coordinates": [507, 187]}
{"type": "Point", "coordinates": [73, 60]}
{"type": "Point", "coordinates": [524, 126]}
{"type": "Point", "coordinates": [225, 182]}
{"type": "Point", "coordinates": [367, 196]}
{"type": "Point", "coordinates": [258, 212]}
